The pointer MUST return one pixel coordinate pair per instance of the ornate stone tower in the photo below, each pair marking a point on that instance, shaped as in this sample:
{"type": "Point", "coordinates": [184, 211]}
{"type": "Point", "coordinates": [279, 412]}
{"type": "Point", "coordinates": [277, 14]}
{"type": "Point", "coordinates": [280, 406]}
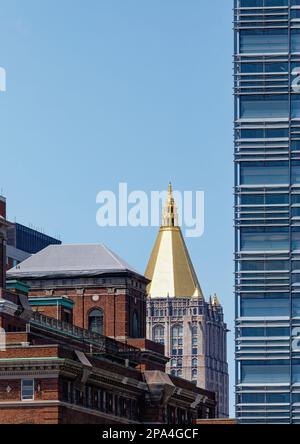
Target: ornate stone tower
{"type": "Point", "coordinates": [192, 330]}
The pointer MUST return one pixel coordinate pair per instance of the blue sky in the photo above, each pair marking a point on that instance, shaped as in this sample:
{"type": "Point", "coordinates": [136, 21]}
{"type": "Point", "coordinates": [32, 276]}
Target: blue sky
{"type": "Point", "coordinates": [107, 91]}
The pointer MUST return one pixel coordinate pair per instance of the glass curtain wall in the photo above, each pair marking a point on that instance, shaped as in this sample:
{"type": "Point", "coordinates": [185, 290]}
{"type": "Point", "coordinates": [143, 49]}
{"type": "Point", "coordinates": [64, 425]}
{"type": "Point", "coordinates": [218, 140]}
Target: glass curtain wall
{"type": "Point", "coordinates": [267, 210]}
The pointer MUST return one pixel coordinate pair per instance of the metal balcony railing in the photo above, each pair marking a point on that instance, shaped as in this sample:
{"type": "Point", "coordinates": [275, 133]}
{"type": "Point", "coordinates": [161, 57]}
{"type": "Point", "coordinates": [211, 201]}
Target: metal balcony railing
{"type": "Point", "coordinates": [100, 344]}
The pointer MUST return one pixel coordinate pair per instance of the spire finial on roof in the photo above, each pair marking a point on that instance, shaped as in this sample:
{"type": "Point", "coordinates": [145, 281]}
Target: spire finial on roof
{"type": "Point", "coordinates": [170, 215]}
{"type": "Point", "coordinates": [215, 300]}
{"type": "Point", "coordinates": [170, 268]}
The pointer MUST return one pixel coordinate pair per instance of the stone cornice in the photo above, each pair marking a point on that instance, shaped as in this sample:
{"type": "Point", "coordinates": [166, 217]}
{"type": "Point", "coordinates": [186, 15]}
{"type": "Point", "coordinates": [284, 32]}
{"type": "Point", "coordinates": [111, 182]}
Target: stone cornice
{"type": "Point", "coordinates": [8, 307]}
{"type": "Point", "coordinates": [55, 403]}
{"type": "Point", "coordinates": [54, 366]}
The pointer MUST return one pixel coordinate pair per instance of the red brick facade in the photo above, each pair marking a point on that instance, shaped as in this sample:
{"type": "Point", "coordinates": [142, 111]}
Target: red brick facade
{"type": "Point", "coordinates": [118, 304]}
{"type": "Point", "coordinates": [54, 372]}
{"type": "Point", "coordinates": [69, 389]}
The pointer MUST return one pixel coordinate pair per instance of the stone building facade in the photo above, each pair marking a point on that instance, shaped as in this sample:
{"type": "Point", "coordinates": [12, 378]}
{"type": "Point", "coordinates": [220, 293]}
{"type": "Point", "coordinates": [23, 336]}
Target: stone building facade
{"type": "Point", "coordinates": [192, 330]}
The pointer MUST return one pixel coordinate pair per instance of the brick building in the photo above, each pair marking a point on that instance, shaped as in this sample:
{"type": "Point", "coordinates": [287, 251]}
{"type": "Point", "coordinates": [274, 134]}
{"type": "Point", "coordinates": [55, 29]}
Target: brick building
{"type": "Point", "coordinates": [73, 347]}
{"type": "Point", "coordinates": [103, 292]}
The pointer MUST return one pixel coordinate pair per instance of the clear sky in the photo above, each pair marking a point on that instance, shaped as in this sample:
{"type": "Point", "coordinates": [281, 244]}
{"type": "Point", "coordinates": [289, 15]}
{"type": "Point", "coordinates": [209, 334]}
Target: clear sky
{"type": "Point", "coordinates": [107, 91]}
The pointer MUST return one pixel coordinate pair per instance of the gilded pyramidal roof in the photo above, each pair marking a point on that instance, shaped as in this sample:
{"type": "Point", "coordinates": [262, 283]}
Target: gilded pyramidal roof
{"type": "Point", "coordinates": [170, 268]}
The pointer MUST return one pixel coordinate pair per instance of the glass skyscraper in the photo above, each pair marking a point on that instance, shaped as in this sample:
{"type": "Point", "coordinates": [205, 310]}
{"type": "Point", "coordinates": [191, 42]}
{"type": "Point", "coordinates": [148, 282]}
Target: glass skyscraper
{"type": "Point", "coordinates": [267, 210]}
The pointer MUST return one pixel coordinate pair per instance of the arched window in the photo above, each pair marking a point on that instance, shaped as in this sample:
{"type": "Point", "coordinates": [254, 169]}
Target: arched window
{"type": "Point", "coordinates": [194, 330]}
{"type": "Point", "coordinates": [95, 321]}
{"type": "Point", "coordinates": [194, 362]}
{"type": "Point", "coordinates": [135, 325]}
{"type": "Point", "coordinates": [194, 374]}
{"type": "Point", "coordinates": [179, 373]}
{"type": "Point", "coordinates": [159, 334]}
{"type": "Point", "coordinates": [177, 331]}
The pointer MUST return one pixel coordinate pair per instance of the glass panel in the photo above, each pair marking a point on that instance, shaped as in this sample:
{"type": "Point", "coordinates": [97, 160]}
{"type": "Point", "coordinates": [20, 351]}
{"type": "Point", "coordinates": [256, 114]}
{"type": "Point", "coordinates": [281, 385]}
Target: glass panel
{"type": "Point", "coordinates": [295, 103]}
{"type": "Point", "coordinates": [296, 238]}
{"type": "Point", "coordinates": [27, 389]}
{"type": "Point", "coordinates": [295, 40]}
{"type": "Point", "coordinates": [252, 398]}
{"type": "Point", "coordinates": [266, 106]}
{"type": "Point", "coordinates": [295, 145]}
{"type": "Point", "coordinates": [262, 239]}
{"type": "Point", "coordinates": [295, 171]}
{"type": "Point", "coordinates": [95, 321]}
{"type": "Point", "coordinates": [265, 372]}
{"type": "Point", "coordinates": [263, 173]}
{"type": "Point", "coordinates": [296, 306]}
{"type": "Point", "coordinates": [267, 133]}
{"type": "Point", "coordinates": [266, 40]}
{"type": "Point", "coordinates": [268, 332]}
{"type": "Point", "coordinates": [261, 306]}
{"type": "Point", "coordinates": [296, 373]}
{"type": "Point", "coordinates": [261, 3]}
{"type": "Point", "coordinates": [252, 332]}
{"type": "Point", "coordinates": [264, 266]}
{"type": "Point", "coordinates": [278, 398]}
{"type": "Point", "coordinates": [265, 199]}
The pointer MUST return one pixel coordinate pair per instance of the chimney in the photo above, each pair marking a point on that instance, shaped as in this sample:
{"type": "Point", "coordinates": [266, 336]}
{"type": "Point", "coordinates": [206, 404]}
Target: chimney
{"type": "Point", "coordinates": [2, 206]}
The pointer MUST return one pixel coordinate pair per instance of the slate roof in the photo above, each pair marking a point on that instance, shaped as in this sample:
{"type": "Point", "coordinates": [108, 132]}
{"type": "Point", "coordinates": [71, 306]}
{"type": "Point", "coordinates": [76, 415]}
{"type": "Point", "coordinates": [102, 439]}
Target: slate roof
{"type": "Point", "coordinates": [70, 260]}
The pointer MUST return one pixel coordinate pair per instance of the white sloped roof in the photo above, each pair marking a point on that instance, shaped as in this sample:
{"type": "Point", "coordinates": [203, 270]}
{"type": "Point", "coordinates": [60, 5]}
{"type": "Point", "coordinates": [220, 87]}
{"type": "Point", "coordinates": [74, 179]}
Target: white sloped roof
{"type": "Point", "coordinates": [70, 260]}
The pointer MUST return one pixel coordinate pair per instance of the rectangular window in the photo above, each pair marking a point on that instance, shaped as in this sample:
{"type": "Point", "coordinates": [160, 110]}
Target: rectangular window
{"type": "Point", "coordinates": [265, 305]}
{"type": "Point", "coordinates": [277, 331]}
{"type": "Point", "coordinates": [253, 398]}
{"type": "Point", "coordinates": [261, 68]}
{"type": "Point", "coordinates": [264, 173]}
{"type": "Point", "coordinates": [296, 373]}
{"type": "Point", "coordinates": [296, 212]}
{"type": "Point", "coordinates": [295, 145]}
{"type": "Point", "coordinates": [252, 68]}
{"type": "Point", "coordinates": [264, 239]}
{"type": "Point", "coordinates": [265, 372]}
{"type": "Point", "coordinates": [278, 398]}
{"type": "Point", "coordinates": [252, 332]}
{"type": "Point", "coordinates": [295, 238]}
{"type": "Point", "coordinates": [295, 198]}
{"type": "Point", "coordinates": [27, 390]}
{"type": "Point", "coordinates": [266, 3]}
{"type": "Point", "coordinates": [296, 398]}
{"type": "Point", "coordinates": [295, 104]}
{"type": "Point", "coordinates": [265, 199]}
{"type": "Point", "coordinates": [261, 41]}
{"type": "Point", "coordinates": [295, 40]}
{"type": "Point", "coordinates": [296, 307]}
{"type": "Point", "coordinates": [266, 106]}
{"type": "Point", "coordinates": [262, 134]}
{"type": "Point", "coordinates": [295, 171]}
{"type": "Point", "coordinates": [265, 332]}
{"type": "Point", "coordinates": [264, 265]}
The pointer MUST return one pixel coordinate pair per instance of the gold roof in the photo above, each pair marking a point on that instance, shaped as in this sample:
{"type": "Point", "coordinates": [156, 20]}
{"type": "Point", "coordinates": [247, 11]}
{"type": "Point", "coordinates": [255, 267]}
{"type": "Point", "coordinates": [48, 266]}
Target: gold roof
{"type": "Point", "coordinates": [170, 268]}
